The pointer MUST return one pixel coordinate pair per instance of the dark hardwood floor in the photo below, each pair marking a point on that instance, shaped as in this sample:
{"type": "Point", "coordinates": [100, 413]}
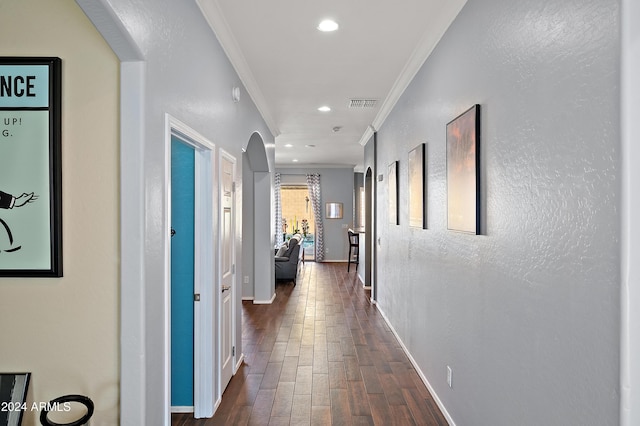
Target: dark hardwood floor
{"type": "Point", "coordinates": [321, 354]}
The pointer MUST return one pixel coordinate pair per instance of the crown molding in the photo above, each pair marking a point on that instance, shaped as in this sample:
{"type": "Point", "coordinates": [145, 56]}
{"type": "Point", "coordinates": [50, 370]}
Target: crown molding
{"type": "Point", "coordinates": [215, 18]}
{"type": "Point", "coordinates": [423, 50]}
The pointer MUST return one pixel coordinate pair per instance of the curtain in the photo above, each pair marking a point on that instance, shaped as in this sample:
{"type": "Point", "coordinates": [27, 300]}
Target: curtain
{"type": "Point", "coordinates": [313, 183]}
{"type": "Point", "coordinates": [278, 202]}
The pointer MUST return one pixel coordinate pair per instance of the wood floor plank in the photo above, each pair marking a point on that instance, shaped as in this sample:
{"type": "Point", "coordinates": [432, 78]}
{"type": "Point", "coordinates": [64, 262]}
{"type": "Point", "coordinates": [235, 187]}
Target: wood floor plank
{"type": "Point", "coordinates": [304, 380]}
{"type": "Point", "coordinates": [271, 376]}
{"type": "Point", "coordinates": [289, 369]}
{"type": "Point", "coordinates": [283, 400]}
{"type": "Point", "coordinates": [340, 411]}
{"type": "Point", "coordinates": [421, 410]}
{"type": "Point", "coordinates": [321, 354]}
{"type": "Point", "coordinates": [320, 416]}
{"type": "Point", "coordinates": [392, 390]}
{"type": "Point", "coordinates": [301, 410]}
{"type": "Point", "coordinates": [358, 399]}
{"type": "Point", "coordinates": [380, 410]}
{"type": "Point", "coordinates": [371, 379]}
{"type": "Point", "coordinates": [337, 375]}
{"type": "Point", "coordinates": [262, 407]}
{"type": "Point", "coordinates": [320, 392]}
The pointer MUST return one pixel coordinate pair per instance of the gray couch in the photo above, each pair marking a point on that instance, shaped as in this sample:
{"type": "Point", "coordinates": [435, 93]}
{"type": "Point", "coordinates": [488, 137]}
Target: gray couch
{"type": "Point", "coordinates": [288, 259]}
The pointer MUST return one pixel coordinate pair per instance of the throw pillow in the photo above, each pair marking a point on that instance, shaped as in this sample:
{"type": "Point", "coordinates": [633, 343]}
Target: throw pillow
{"type": "Point", "coordinates": [282, 250]}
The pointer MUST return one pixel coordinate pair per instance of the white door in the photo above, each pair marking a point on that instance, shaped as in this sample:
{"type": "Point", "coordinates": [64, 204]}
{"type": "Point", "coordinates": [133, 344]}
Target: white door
{"type": "Point", "coordinates": [227, 267]}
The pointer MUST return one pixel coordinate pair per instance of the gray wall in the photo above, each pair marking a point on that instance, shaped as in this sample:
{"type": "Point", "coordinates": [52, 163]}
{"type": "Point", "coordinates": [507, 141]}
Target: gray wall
{"type": "Point", "coordinates": [185, 73]}
{"type": "Point", "coordinates": [336, 185]}
{"type": "Point", "coordinates": [527, 314]}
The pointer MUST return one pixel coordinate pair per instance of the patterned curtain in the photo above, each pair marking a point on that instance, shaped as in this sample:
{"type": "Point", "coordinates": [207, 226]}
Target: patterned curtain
{"type": "Point", "coordinates": [278, 201]}
{"type": "Point", "coordinates": [313, 182]}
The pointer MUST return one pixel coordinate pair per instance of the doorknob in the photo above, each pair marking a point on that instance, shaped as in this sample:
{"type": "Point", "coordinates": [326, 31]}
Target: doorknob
{"type": "Point", "coordinates": [225, 288]}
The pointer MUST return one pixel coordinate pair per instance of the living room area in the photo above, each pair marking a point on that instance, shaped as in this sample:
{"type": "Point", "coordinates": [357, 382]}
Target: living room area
{"type": "Point", "coordinates": [324, 235]}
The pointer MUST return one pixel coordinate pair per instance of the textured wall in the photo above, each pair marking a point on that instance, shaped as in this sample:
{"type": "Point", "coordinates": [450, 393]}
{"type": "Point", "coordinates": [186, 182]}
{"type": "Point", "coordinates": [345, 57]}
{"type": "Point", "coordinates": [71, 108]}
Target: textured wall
{"type": "Point", "coordinates": [527, 314]}
{"type": "Point", "coordinates": [65, 330]}
{"type": "Point", "coordinates": [188, 76]}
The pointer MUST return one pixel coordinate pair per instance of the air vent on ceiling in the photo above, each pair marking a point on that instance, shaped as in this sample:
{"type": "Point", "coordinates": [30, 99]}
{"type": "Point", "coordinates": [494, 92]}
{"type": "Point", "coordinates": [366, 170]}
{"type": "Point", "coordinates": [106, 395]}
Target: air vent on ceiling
{"type": "Point", "coordinates": [363, 103]}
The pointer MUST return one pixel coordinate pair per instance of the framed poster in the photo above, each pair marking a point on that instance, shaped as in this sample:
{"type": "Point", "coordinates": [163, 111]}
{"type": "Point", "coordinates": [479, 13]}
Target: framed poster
{"type": "Point", "coordinates": [30, 167]}
{"type": "Point", "coordinates": [417, 188]}
{"type": "Point", "coordinates": [393, 194]}
{"type": "Point", "coordinates": [463, 182]}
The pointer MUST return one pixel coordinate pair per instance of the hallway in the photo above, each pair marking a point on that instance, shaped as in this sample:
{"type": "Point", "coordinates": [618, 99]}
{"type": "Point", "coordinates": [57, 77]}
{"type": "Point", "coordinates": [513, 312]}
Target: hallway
{"type": "Point", "coordinates": [321, 354]}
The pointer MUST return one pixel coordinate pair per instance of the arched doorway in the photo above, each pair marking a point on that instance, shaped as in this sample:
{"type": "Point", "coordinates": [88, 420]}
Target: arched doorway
{"type": "Point", "coordinates": [257, 219]}
{"type": "Point", "coordinates": [368, 232]}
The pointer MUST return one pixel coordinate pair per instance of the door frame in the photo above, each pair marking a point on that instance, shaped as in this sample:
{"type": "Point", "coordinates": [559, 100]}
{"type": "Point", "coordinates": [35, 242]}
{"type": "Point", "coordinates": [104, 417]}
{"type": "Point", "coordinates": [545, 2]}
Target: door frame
{"type": "Point", "coordinates": [222, 154]}
{"type": "Point", "coordinates": [629, 231]}
{"type": "Point", "coordinates": [204, 265]}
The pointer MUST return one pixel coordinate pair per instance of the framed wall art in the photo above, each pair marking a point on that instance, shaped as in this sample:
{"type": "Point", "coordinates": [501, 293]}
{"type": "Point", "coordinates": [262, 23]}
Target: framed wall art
{"type": "Point", "coordinates": [417, 187]}
{"type": "Point", "coordinates": [13, 397]}
{"type": "Point", "coordinates": [463, 181]}
{"type": "Point", "coordinates": [394, 206]}
{"type": "Point", "coordinates": [30, 167]}
{"type": "Point", "coordinates": [333, 210]}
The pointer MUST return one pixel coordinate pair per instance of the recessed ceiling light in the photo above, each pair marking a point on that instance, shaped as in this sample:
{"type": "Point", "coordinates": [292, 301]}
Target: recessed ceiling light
{"type": "Point", "coordinates": [288, 145]}
{"type": "Point", "coordinates": [295, 160]}
{"type": "Point", "coordinates": [328, 25]}
{"type": "Point", "coordinates": [324, 109]}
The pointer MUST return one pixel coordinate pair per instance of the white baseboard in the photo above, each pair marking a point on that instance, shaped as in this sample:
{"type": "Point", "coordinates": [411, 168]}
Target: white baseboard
{"type": "Point", "coordinates": [239, 363]}
{"type": "Point", "coordinates": [180, 409]}
{"type": "Point", "coordinates": [265, 302]}
{"type": "Point", "coordinates": [248, 298]}
{"type": "Point", "coordinates": [446, 414]}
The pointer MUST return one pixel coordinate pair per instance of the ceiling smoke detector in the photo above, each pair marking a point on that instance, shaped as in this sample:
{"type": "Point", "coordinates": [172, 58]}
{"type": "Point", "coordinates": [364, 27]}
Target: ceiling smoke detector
{"type": "Point", "coordinates": [363, 103]}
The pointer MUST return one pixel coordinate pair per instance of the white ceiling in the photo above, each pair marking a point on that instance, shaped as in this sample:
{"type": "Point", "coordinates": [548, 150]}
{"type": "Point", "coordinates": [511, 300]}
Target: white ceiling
{"type": "Point", "coordinates": [290, 68]}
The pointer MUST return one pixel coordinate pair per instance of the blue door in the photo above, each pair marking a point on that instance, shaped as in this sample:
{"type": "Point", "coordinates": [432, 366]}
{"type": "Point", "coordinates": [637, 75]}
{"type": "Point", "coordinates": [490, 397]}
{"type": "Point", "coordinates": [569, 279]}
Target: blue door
{"type": "Point", "coordinates": [182, 272]}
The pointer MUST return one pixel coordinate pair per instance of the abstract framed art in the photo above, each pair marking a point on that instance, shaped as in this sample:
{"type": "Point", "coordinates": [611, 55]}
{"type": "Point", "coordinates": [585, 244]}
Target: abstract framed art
{"type": "Point", "coordinates": [417, 187]}
{"type": "Point", "coordinates": [463, 178]}
{"type": "Point", "coordinates": [30, 167]}
{"type": "Point", "coordinates": [394, 206]}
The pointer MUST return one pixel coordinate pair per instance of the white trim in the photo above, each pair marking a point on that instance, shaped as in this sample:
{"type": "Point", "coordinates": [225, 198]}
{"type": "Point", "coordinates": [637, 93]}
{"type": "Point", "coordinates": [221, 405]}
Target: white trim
{"type": "Point", "coordinates": [432, 391]}
{"type": "Point", "coordinates": [265, 302]}
{"type": "Point", "coordinates": [248, 299]}
{"type": "Point", "coordinates": [239, 363]}
{"type": "Point", "coordinates": [133, 355]}
{"type": "Point", "coordinates": [629, 231]}
{"type": "Point", "coordinates": [112, 29]}
{"type": "Point", "coordinates": [222, 154]}
{"type": "Point", "coordinates": [181, 409]}
{"type": "Point", "coordinates": [215, 18]}
{"type": "Point", "coordinates": [427, 43]}
{"type": "Point", "coordinates": [204, 252]}
{"type": "Point", "coordinates": [133, 358]}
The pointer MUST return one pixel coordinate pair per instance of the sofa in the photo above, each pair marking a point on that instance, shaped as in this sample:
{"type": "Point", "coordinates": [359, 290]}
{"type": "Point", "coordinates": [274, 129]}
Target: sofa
{"type": "Point", "coordinates": [288, 258]}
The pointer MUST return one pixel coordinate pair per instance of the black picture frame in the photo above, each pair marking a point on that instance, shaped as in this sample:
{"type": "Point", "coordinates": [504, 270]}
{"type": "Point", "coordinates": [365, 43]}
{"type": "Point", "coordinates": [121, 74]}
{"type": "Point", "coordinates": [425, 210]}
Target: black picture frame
{"type": "Point", "coordinates": [13, 397]}
{"type": "Point", "coordinates": [417, 187]}
{"type": "Point", "coordinates": [463, 172]}
{"type": "Point", "coordinates": [30, 167]}
{"type": "Point", "coordinates": [394, 188]}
